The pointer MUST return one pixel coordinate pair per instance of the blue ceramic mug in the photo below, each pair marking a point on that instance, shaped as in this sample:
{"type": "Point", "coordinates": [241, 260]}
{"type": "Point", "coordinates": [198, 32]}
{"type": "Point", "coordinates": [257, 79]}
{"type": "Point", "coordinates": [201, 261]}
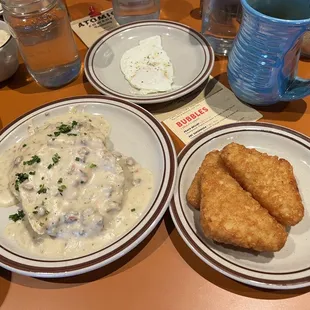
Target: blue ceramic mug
{"type": "Point", "coordinates": [263, 61]}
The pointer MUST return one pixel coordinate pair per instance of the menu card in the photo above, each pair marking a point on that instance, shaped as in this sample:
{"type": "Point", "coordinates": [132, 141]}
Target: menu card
{"type": "Point", "coordinates": [216, 105]}
{"type": "Point", "coordinates": [90, 28]}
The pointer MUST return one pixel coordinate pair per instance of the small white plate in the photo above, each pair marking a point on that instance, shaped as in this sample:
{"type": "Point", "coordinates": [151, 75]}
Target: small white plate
{"type": "Point", "coordinates": [134, 132]}
{"type": "Point", "coordinates": [191, 55]}
{"type": "Point", "coordinates": [286, 269]}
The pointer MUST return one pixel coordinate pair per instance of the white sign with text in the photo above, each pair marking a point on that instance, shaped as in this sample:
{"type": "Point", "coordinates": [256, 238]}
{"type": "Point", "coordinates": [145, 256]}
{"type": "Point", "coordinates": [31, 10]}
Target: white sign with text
{"type": "Point", "coordinates": [89, 29]}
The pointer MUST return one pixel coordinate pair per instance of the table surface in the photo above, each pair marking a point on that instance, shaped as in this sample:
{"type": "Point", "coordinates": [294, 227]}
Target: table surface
{"type": "Point", "coordinates": [161, 273]}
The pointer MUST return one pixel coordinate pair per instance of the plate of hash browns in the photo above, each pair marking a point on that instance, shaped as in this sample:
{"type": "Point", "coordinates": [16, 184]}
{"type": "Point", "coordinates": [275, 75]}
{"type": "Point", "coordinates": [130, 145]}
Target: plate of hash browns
{"type": "Point", "coordinates": [242, 203]}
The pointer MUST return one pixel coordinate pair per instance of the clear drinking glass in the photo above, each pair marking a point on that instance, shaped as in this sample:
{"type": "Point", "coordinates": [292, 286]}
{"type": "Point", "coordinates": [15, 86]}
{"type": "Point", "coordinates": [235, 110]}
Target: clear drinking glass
{"type": "Point", "coordinates": [45, 39]}
{"type": "Point", "coordinates": [127, 11]}
{"type": "Point", "coordinates": [200, 7]}
{"type": "Point", "coordinates": [220, 23]}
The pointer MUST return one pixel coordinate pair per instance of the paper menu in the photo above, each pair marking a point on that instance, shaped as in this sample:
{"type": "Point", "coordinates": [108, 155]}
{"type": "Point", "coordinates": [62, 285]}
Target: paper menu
{"type": "Point", "coordinates": [218, 107]}
{"type": "Point", "coordinates": [89, 29]}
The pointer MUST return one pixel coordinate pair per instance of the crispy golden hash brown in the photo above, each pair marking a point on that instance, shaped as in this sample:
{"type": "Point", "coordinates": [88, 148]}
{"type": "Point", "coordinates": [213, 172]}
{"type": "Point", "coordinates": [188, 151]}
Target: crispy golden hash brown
{"type": "Point", "coordinates": [193, 194]}
{"type": "Point", "coordinates": [269, 179]}
{"type": "Point", "coordinates": [230, 215]}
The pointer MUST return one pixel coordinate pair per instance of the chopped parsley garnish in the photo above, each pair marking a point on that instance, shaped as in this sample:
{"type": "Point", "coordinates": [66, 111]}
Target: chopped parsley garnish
{"type": "Point", "coordinates": [42, 189]}
{"type": "Point", "coordinates": [82, 182]}
{"type": "Point", "coordinates": [34, 159]}
{"type": "Point", "coordinates": [24, 145]}
{"type": "Point", "coordinates": [36, 207]}
{"type": "Point", "coordinates": [55, 160]}
{"type": "Point", "coordinates": [42, 178]}
{"type": "Point", "coordinates": [17, 216]}
{"type": "Point", "coordinates": [65, 129]}
{"type": "Point", "coordinates": [92, 166]}
{"type": "Point", "coordinates": [41, 224]}
{"type": "Point", "coordinates": [133, 210]}
{"type": "Point", "coordinates": [21, 177]}
{"type": "Point", "coordinates": [61, 188]}
{"type": "Point", "coordinates": [77, 159]}
{"type": "Point", "coordinates": [50, 135]}
{"type": "Point", "coordinates": [35, 212]}
{"type": "Point", "coordinates": [59, 181]}
{"type": "Point", "coordinates": [32, 172]}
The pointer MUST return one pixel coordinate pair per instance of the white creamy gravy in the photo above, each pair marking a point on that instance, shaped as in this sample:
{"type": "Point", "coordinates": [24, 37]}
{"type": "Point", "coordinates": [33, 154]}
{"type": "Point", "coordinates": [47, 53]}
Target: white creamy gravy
{"type": "Point", "coordinates": [78, 194]}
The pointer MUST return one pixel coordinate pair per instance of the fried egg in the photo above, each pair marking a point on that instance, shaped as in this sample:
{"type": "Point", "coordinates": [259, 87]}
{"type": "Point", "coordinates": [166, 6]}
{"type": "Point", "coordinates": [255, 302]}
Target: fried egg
{"type": "Point", "coordinates": [147, 67]}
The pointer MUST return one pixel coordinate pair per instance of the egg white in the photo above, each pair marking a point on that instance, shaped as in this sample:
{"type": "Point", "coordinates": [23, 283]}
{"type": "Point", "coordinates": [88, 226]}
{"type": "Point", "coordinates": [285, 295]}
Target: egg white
{"type": "Point", "coordinates": [147, 67]}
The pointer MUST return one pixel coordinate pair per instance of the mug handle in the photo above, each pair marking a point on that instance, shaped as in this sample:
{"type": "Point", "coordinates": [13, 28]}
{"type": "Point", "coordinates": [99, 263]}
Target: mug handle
{"type": "Point", "coordinates": [298, 89]}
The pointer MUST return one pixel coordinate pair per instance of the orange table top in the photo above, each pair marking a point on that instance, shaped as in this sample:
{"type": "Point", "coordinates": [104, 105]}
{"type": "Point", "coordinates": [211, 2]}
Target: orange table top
{"type": "Point", "coordinates": [162, 272]}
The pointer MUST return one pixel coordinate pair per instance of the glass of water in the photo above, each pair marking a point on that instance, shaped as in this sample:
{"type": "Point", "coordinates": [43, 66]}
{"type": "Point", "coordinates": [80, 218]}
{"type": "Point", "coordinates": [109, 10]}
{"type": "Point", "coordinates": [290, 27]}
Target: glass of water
{"type": "Point", "coordinates": [220, 23]}
{"type": "Point", "coordinates": [45, 39]}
